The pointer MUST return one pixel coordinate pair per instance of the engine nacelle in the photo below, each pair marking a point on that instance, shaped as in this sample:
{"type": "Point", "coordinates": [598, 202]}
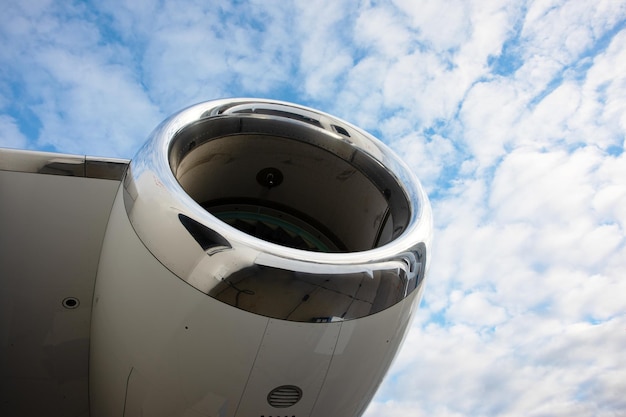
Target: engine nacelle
{"type": "Point", "coordinates": [261, 259]}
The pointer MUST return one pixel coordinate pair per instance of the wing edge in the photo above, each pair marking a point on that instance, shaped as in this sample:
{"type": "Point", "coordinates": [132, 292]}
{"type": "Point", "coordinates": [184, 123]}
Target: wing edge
{"type": "Point", "coordinates": [51, 163]}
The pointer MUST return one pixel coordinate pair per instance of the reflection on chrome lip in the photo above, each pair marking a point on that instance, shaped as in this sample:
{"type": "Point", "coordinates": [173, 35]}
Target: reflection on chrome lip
{"type": "Point", "coordinates": [154, 200]}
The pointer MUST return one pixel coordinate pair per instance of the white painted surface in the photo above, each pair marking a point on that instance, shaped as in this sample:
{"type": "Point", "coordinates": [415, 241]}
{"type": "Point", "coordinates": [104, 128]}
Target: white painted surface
{"type": "Point", "coordinates": [160, 347]}
{"type": "Point", "coordinates": [51, 230]}
{"type": "Point", "coordinates": [181, 351]}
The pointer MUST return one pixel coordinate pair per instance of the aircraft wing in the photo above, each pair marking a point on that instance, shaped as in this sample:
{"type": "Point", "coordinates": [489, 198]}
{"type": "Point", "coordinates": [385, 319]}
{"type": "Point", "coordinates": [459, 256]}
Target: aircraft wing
{"type": "Point", "coordinates": [53, 214]}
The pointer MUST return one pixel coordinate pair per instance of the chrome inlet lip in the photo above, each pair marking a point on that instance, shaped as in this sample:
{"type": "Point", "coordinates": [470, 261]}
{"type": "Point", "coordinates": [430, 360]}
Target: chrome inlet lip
{"type": "Point", "coordinates": [154, 199]}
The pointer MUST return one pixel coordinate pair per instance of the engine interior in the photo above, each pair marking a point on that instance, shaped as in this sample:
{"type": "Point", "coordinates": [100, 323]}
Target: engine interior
{"type": "Point", "coordinates": [289, 179]}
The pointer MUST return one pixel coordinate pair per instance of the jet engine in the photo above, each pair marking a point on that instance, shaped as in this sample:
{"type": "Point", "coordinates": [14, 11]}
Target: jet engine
{"type": "Point", "coordinates": [261, 259]}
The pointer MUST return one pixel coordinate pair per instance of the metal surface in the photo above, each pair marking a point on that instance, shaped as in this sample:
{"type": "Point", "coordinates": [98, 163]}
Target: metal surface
{"type": "Point", "coordinates": [51, 233]}
{"type": "Point", "coordinates": [344, 206]}
{"type": "Point", "coordinates": [160, 347]}
{"type": "Point", "coordinates": [62, 164]}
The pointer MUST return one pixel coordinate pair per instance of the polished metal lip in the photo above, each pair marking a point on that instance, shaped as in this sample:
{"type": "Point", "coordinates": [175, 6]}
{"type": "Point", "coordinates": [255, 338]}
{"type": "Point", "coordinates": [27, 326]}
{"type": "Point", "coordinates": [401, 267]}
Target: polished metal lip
{"type": "Point", "coordinates": [154, 199]}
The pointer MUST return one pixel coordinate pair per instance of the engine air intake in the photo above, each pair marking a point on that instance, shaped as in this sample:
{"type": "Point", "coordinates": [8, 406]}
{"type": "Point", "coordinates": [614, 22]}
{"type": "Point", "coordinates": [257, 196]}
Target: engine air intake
{"type": "Point", "coordinates": [287, 181]}
{"type": "Point", "coordinates": [280, 210]}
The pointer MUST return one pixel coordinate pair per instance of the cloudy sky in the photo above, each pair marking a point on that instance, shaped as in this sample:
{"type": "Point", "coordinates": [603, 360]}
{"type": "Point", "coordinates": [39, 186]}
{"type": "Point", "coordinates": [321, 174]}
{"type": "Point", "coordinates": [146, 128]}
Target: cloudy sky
{"type": "Point", "coordinates": [512, 113]}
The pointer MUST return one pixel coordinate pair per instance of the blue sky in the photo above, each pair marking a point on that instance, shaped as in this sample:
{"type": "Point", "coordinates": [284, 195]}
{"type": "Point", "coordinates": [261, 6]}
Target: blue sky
{"type": "Point", "coordinates": [512, 113]}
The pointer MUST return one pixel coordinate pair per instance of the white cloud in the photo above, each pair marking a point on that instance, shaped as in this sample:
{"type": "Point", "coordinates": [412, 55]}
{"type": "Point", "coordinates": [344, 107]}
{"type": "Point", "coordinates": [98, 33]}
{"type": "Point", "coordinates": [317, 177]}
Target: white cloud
{"type": "Point", "coordinates": [555, 192]}
{"type": "Point", "coordinates": [383, 31]}
{"type": "Point", "coordinates": [610, 204]}
{"type": "Point", "coordinates": [596, 296]}
{"type": "Point", "coordinates": [106, 110]}
{"type": "Point", "coordinates": [427, 18]}
{"type": "Point", "coordinates": [604, 89]}
{"type": "Point", "coordinates": [195, 52]}
{"type": "Point", "coordinates": [529, 366]}
{"type": "Point", "coordinates": [428, 157]}
{"type": "Point", "coordinates": [474, 309]}
{"type": "Point", "coordinates": [85, 96]}
{"type": "Point", "coordinates": [359, 105]}
{"type": "Point", "coordinates": [513, 115]}
{"type": "Point", "coordinates": [547, 187]}
{"type": "Point", "coordinates": [10, 135]}
{"type": "Point", "coordinates": [488, 113]}
{"type": "Point", "coordinates": [566, 29]}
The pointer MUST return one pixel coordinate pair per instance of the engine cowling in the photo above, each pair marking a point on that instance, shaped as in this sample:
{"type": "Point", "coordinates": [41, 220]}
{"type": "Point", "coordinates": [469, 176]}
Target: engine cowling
{"type": "Point", "coordinates": [261, 259]}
